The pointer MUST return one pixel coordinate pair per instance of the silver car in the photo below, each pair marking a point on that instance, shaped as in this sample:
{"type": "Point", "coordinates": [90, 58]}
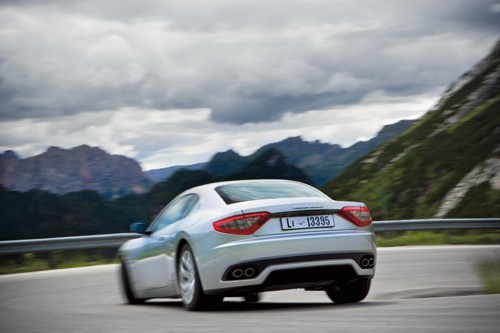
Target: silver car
{"type": "Point", "coordinates": [240, 238]}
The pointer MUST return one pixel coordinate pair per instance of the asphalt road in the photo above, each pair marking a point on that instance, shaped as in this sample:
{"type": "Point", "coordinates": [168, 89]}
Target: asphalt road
{"type": "Point", "coordinates": [416, 289]}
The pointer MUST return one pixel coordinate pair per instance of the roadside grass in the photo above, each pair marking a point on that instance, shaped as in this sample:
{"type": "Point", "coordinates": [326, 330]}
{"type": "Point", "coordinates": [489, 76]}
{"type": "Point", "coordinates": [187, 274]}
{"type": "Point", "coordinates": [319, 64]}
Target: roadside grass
{"type": "Point", "coordinates": [442, 237]}
{"type": "Point", "coordinates": [32, 265]}
{"type": "Point", "coordinates": [489, 272]}
{"type": "Point", "coordinates": [31, 262]}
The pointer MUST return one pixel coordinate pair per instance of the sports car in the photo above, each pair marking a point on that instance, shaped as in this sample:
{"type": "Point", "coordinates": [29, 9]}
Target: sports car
{"type": "Point", "coordinates": [242, 238]}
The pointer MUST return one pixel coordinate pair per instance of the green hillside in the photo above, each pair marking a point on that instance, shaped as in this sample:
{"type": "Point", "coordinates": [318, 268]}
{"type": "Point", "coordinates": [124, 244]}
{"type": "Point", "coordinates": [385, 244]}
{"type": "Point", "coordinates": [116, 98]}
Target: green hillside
{"type": "Point", "coordinates": [446, 165]}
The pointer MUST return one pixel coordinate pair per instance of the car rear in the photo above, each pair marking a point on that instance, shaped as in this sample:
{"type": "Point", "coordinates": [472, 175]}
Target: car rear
{"type": "Point", "coordinates": [286, 240]}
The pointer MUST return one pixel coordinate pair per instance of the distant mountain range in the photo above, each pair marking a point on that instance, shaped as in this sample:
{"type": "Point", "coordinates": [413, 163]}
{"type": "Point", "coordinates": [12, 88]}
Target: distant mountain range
{"type": "Point", "coordinates": [70, 170]}
{"type": "Point", "coordinates": [319, 161]}
{"type": "Point", "coordinates": [323, 161]}
{"type": "Point", "coordinates": [446, 165]}
{"type": "Point", "coordinates": [63, 171]}
{"type": "Point", "coordinates": [159, 175]}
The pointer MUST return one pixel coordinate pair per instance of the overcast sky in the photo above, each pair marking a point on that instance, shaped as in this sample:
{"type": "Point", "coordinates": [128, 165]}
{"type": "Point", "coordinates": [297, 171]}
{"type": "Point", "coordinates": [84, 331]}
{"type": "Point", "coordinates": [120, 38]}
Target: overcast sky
{"type": "Point", "coordinates": [173, 82]}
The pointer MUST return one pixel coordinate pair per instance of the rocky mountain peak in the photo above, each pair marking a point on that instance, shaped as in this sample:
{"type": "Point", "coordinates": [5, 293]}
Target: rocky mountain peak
{"type": "Point", "coordinates": [9, 154]}
{"type": "Point", "coordinates": [478, 84]}
{"type": "Point", "coordinates": [62, 171]}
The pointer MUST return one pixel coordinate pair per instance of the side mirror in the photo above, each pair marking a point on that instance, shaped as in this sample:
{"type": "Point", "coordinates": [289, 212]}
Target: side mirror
{"type": "Point", "coordinates": [138, 227]}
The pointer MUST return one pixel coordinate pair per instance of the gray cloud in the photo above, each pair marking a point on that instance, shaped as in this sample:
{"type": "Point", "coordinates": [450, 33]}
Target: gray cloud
{"type": "Point", "coordinates": [246, 61]}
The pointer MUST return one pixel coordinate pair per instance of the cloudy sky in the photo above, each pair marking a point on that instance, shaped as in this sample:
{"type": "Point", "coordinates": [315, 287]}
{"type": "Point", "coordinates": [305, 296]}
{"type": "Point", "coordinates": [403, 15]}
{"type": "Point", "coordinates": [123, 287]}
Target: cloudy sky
{"type": "Point", "coordinates": [172, 82]}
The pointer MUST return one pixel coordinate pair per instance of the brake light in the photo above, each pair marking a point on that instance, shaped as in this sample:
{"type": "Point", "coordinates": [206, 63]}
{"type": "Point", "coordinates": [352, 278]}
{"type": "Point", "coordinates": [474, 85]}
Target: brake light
{"type": "Point", "coordinates": [244, 224]}
{"type": "Point", "coordinates": [359, 215]}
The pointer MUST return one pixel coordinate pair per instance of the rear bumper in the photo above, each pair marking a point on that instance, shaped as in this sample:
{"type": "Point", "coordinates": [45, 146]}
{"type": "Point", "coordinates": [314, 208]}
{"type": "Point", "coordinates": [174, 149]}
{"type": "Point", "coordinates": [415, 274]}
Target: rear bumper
{"type": "Point", "coordinates": [259, 266]}
{"type": "Point", "coordinates": [286, 262]}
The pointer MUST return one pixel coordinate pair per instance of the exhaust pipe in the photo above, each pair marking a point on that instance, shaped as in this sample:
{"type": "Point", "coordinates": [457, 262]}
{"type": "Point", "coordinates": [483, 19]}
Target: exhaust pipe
{"type": "Point", "coordinates": [242, 272]}
{"type": "Point", "coordinates": [249, 272]}
{"type": "Point", "coordinates": [237, 273]}
{"type": "Point", "coordinates": [367, 262]}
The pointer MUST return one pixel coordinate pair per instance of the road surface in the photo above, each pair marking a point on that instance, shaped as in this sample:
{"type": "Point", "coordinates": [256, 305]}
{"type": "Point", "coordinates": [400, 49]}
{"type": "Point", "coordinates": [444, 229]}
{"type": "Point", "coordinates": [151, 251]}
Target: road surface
{"type": "Point", "coordinates": [416, 289]}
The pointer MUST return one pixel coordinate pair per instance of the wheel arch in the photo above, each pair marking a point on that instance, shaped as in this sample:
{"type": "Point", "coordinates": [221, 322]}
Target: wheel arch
{"type": "Point", "coordinates": [183, 241]}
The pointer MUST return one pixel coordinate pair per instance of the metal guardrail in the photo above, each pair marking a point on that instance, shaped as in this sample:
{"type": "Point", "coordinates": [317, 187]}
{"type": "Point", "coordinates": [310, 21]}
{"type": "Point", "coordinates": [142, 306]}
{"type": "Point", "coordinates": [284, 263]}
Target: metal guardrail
{"type": "Point", "coordinates": [115, 240]}
{"type": "Point", "coordinates": [65, 243]}
{"type": "Point", "coordinates": [437, 224]}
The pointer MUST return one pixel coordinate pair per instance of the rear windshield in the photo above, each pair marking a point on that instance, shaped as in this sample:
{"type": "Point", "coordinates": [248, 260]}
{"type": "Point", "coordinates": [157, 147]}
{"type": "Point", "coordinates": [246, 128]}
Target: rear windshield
{"type": "Point", "coordinates": [233, 193]}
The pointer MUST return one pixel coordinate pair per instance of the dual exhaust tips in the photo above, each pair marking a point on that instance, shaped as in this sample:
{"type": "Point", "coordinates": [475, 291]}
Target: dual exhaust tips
{"type": "Point", "coordinates": [242, 273]}
{"type": "Point", "coordinates": [367, 262]}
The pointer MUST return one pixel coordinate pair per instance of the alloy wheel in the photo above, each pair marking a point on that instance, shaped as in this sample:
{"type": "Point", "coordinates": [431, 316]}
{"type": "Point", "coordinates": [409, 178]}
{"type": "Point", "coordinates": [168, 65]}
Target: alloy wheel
{"type": "Point", "coordinates": [187, 277]}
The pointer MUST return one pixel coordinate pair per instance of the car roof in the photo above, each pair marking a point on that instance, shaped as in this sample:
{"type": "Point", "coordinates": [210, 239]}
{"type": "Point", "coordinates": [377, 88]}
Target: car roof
{"type": "Point", "coordinates": [211, 186]}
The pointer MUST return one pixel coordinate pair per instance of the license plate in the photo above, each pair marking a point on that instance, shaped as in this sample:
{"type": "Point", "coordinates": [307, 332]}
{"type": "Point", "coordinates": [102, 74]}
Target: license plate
{"type": "Point", "coordinates": [307, 222]}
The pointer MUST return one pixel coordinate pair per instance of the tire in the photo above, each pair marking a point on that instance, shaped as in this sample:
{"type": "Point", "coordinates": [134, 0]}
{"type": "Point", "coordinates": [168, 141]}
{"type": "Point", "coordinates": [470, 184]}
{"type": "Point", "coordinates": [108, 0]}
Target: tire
{"type": "Point", "coordinates": [352, 292]}
{"type": "Point", "coordinates": [126, 287]}
{"type": "Point", "coordinates": [193, 297]}
{"type": "Point", "coordinates": [252, 298]}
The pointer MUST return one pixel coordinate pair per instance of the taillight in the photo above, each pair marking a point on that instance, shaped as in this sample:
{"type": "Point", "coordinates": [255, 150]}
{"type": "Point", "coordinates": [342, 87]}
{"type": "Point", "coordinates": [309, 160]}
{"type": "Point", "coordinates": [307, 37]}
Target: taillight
{"type": "Point", "coordinates": [244, 224]}
{"type": "Point", "coordinates": [359, 215]}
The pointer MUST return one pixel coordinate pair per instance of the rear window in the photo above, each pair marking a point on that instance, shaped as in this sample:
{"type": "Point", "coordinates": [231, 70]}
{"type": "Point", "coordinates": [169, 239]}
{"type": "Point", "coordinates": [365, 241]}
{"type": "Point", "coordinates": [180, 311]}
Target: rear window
{"type": "Point", "coordinates": [233, 193]}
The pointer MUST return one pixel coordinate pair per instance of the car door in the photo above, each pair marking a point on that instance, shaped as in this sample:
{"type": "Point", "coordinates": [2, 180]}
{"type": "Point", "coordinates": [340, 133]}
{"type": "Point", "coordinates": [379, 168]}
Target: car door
{"type": "Point", "coordinates": [156, 266]}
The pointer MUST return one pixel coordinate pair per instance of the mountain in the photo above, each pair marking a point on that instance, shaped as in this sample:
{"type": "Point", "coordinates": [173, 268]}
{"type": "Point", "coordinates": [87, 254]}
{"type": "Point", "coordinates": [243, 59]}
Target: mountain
{"type": "Point", "coordinates": [223, 164]}
{"type": "Point", "coordinates": [62, 171]}
{"type": "Point", "coordinates": [312, 157]}
{"type": "Point", "coordinates": [270, 163]}
{"type": "Point", "coordinates": [446, 165]}
{"type": "Point", "coordinates": [323, 161]}
{"type": "Point", "coordinates": [158, 175]}
{"type": "Point", "coordinates": [320, 161]}
{"type": "Point", "coordinates": [179, 181]}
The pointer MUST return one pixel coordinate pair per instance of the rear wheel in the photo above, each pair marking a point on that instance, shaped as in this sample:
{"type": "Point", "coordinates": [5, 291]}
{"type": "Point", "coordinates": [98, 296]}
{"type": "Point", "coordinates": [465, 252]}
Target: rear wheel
{"type": "Point", "coordinates": [352, 292]}
{"type": "Point", "coordinates": [193, 297]}
{"type": "Point", "coordinates": [252, 298]}
{"type": "Point", "coordinates": [127, 288]}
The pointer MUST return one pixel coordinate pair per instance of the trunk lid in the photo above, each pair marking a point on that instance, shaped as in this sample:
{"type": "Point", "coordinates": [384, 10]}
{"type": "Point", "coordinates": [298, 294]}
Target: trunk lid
{"type": "Point", "coordinates": [299, 215]}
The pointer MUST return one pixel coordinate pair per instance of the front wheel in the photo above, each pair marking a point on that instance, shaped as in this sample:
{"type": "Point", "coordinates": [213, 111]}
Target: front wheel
{"type": "Point", "coordinates": [352, 292]}
{"type": "Point", "coordinates": [193, 297]}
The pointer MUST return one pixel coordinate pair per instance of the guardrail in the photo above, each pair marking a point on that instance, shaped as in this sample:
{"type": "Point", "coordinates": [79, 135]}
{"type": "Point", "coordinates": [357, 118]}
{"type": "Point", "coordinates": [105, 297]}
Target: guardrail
{"type": "Point", "coordinates": [437, 224]}
{"type": "Point", "coordinates": [65, 243]}
{"type": "Point", "coordinates": [115, 240]}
